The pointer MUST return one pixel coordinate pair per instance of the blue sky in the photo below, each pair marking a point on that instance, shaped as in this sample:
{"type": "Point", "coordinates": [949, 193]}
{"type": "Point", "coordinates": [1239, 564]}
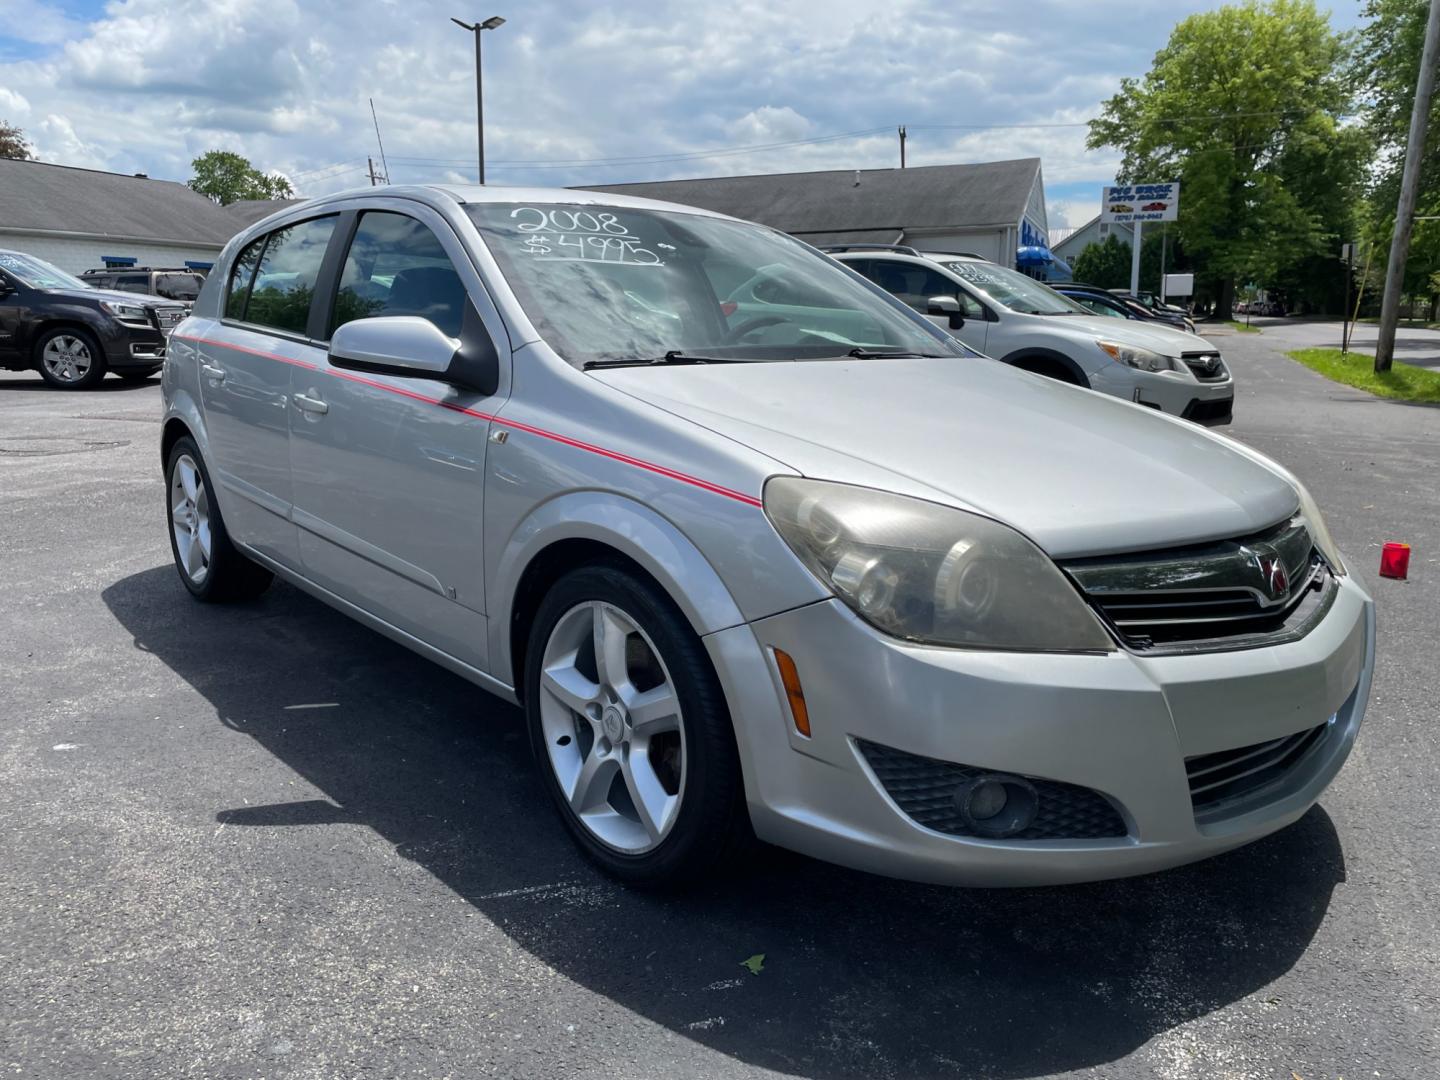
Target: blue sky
{"type": "Point", "coordinates": [577, 91]}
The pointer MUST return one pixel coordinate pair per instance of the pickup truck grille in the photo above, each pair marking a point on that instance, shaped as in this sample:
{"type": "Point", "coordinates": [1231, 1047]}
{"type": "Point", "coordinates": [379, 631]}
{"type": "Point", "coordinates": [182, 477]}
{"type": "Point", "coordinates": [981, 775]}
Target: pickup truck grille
{"type": "Point", "coordinates": [1234, 594]}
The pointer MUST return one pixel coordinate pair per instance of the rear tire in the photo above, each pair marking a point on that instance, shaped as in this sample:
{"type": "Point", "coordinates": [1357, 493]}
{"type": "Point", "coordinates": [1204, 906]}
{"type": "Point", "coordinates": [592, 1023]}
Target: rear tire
{"type": "Point", "coordinates": [633, 737]}
{"type": "Point", "coordinates": [211, 567]}
{"type": "Point", "coordinates": [69, 358]}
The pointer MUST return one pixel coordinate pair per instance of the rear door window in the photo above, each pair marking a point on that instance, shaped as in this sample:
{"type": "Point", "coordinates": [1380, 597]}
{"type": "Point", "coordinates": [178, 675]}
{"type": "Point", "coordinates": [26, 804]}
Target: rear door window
{"type": "Point", "coordinates": [177, 286]}
{"type": "Point", "coordinates": [396, 266]}
{"type": "Point", "coordinates": [136, 283]}
{"type": "Point", "coordinates": [285, 277]}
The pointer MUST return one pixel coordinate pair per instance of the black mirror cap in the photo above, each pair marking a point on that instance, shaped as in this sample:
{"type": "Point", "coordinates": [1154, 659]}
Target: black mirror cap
{"type": "Point", "coordinates": [475, 365]}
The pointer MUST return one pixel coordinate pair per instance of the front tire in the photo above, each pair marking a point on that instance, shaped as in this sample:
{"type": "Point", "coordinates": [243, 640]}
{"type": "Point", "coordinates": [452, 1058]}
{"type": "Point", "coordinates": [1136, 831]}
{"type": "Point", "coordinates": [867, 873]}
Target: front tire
{"type": "Point", "coordinates": [211, 567]}
{"type": "Point", "coordinates": [631, 732]}
{"type": "Point", "coordinates": [69, 359]}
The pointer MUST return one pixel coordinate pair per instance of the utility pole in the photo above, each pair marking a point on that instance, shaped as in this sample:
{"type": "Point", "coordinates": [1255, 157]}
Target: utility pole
{"type": "Point", "coordinates": [1135, 260]}
{"type": "Point", "coordinates": [1409, 189]}
{"type": "Point", "coordinates": [370, 164]}
{"type": "Point", "coordinates": [383, 163]}
{"type": "Point", "coordinates": [492, 23]}
{"type": "Point", "coordinates": [902, 146]}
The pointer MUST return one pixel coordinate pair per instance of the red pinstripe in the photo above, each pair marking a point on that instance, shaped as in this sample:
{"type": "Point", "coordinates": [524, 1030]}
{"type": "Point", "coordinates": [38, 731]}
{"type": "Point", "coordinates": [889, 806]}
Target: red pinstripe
{"type": "Point", "coordinates": [613, 455]}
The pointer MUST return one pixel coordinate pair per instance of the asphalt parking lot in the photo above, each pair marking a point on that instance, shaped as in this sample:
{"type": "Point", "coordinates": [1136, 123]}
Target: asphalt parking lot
{"type": "Point", "coordinates": [263, 841]}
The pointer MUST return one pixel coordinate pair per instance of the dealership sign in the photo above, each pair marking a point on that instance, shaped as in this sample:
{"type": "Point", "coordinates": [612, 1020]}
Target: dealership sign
{"type": "Point", "coordinates": [1140, 202]}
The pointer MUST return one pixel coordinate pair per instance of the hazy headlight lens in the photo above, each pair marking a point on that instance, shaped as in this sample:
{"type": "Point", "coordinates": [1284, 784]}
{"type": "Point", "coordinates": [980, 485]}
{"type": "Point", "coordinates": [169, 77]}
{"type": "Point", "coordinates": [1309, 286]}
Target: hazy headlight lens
{"type": "Point", "coordinates": [930, 573]}
{"type": "Point", "coordinates": [1136, 357]}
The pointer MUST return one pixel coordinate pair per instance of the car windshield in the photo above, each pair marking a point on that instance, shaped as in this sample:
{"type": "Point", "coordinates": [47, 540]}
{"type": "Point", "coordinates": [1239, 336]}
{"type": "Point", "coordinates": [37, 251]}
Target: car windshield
{"type": "Point", "coordinates": [1014, 290]}
{"type": "Point", "coordinates": [617, 283]}
{"type": "Point", "coordinates": [37, 273]}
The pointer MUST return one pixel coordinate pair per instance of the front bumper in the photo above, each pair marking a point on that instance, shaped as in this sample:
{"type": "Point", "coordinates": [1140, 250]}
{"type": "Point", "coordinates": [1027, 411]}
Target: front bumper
{"type": "Point", "coordinates": [1175, 392]}
{"type": "Point", "coordinates": [134, 347]}
{"type": "Point", "coordinates": [1120, 724]}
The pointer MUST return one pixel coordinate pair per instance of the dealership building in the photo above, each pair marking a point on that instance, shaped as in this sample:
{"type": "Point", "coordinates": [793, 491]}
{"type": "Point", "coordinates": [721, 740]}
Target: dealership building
{"type": "Point", "coordinates": [84, 219]}
{"type": "Point", "coordinates": [995, 209]}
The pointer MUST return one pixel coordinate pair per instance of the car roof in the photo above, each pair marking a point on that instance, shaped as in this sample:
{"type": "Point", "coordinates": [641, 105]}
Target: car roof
{"type": "Point", "coordinates": [468, 194]}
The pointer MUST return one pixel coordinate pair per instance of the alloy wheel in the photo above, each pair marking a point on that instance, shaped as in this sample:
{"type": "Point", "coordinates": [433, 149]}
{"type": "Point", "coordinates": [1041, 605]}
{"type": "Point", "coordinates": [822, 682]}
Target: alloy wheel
{"type": "Point", "coordinates": [611, 719]}
{"type": "Point", "coordinates": [67, 358]}
{"type": "Point", "coordinates": [190, 519]}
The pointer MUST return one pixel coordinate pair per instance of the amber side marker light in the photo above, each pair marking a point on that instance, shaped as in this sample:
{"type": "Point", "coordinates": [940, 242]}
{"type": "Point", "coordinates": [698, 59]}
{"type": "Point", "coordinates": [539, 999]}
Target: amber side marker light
{"type": "Point", "coordinates": [790, 678]}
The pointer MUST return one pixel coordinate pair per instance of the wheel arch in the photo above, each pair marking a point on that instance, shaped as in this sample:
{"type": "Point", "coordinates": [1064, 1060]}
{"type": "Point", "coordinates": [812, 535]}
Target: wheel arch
{"type": "Point", "coordinates": [583, 528]}
{"type": "Point", "coordinates": [1049, 362]}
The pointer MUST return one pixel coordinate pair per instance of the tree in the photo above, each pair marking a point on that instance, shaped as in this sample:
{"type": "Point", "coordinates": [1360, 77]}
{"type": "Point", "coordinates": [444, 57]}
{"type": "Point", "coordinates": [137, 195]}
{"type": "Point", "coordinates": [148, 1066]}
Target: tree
{"type": "Point", "coordinates": [12, 143]}
{"type": "Point", "coordinates": [1106, 264]}
{"type": "Point", "coordinates": [227, 177]}
{"type": "Point", "coordinates": [1233, 106]}
{"type": "Point", "coordinates": [1385, 71]}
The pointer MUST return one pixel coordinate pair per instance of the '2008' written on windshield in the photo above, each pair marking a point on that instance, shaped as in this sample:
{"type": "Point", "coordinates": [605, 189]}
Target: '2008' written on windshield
{"type": "Point", "coordinates": [579, 236]}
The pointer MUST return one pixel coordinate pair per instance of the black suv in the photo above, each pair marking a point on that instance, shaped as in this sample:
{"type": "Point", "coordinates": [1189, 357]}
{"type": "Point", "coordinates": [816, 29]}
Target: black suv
{"type": "Point", "coordinates": [73, 333]}
{"type": "Point", "coordinates": [172, 283]}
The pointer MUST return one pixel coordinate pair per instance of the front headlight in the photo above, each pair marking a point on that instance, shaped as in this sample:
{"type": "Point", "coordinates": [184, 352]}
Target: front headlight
{"type": "Point", "coordinates": [930, 573]}
{"type": "Point", "coordinates": [1136, 356]}
{"type": "Point", "coordinates": [131, 313]}
{"type": "Point", "coordinates": [1319, 533]}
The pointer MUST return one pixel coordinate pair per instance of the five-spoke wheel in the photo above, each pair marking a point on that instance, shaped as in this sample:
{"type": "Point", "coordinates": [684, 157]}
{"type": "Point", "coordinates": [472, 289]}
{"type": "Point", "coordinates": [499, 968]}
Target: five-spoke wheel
{"type": "Point", "coordinates": [630, 728]}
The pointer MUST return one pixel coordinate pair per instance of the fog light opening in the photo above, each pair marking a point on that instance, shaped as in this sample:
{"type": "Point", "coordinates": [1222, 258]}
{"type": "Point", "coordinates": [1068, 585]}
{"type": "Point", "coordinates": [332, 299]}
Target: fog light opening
{"type": "Point", "coordinates": [997, 805]}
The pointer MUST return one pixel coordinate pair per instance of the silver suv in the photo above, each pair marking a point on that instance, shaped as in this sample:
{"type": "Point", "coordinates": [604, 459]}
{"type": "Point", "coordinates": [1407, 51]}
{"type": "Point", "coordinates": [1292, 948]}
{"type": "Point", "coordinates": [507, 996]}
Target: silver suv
{"type": "Point", "coordinates": [760, 551]}
{"type": "Point", "coordinates": [1027, 324]}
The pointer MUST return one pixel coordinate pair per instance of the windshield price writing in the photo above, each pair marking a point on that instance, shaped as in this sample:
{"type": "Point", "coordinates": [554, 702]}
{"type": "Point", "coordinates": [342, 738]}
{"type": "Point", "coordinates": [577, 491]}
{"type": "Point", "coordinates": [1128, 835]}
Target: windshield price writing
{"type": "Point", "coordinates": [556, 235]}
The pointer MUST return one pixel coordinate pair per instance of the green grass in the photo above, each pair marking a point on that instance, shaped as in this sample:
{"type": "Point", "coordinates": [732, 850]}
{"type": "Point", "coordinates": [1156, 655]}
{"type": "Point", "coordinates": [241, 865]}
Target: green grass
{"type": "Point", "coordinates": [1242, 328]}
{"type": "Point", "coordinates": [1403, 382]}
{"type": "Point", "coordinates": [1404, 324]}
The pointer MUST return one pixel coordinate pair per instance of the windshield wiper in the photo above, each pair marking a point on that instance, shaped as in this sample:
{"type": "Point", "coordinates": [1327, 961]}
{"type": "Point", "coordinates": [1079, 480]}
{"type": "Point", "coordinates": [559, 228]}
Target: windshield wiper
{"type": "Point", "coordinates": [674, 356]}
{"type": "Point", "coordinates": [901, 354]}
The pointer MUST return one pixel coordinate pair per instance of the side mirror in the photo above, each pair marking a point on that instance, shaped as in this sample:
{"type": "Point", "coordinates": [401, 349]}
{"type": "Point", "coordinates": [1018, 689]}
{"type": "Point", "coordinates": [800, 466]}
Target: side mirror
{"type": "Point", "coordinates": [410, 347]}
{"type": "Point", "coordinates": [946, 305]}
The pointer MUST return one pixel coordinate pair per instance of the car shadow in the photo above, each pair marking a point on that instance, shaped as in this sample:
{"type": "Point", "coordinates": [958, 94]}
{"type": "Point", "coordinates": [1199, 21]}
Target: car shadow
{"type": "Point", "coordinates": [862, 975]}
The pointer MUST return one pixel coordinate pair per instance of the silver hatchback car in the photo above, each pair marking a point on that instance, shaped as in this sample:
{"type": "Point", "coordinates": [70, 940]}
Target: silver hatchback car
{"type": "Point", "coordinates": [760, 550]}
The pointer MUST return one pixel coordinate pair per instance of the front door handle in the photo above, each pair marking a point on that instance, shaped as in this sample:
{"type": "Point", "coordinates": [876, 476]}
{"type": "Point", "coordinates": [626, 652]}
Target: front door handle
{"type": "Point", "coordinates": [309, 404]}
{"type": "Point", "coordinates": [212, 372]}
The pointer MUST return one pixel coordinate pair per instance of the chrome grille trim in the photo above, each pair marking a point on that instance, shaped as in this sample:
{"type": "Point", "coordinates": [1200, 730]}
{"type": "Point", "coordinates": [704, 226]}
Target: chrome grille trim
{"type": "Point", "coordinates": [1207, 366]}
{"type": "Point", "coordinates": [1235, 594]}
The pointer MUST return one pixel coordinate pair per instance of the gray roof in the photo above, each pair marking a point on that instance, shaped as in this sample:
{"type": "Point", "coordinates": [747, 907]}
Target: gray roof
{"type": "Point", "coordinates": [246, 212]}
{"type": "Point", "coordinates": [833, 204]}
{"type": "Point", "coordinates": [85, 202]}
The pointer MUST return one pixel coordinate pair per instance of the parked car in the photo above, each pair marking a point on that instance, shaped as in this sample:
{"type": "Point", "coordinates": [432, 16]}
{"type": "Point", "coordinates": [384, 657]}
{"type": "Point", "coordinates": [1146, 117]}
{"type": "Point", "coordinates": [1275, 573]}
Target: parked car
{"type": "Point", "coordinates": [1103, 302]}
{"type": "Point", "coordinates": [1027, 324]}
{"type": "Point", "coordinates": [173, 283]}
{"type": "Point", "coordinates": [73, 333]}
{"type": "Point", "coordinates": [755, 546]}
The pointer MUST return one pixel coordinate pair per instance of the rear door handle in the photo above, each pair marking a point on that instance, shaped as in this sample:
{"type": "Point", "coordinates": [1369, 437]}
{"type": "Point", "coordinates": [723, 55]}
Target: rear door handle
{"type": "Point", "coordinates": [309, 404]}
{"type": "Point", "coordinates": [212, 372]}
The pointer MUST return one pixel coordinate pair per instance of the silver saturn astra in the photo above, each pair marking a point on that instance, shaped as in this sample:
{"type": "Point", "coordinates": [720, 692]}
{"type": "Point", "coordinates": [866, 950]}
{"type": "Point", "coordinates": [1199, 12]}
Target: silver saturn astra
{"type": "Point", "coordinates": [760, 551]}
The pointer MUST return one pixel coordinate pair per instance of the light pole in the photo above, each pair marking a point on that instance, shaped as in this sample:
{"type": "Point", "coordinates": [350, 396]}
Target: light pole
{"type": "Point", "coordinates": [491, 23]}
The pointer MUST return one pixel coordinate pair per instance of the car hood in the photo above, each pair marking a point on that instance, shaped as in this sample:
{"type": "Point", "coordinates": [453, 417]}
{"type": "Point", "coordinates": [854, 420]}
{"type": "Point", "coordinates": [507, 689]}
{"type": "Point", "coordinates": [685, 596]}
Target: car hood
{"type": "Point", "coordinates": [1166, 340]}
{"type": "Point", "coordinates": [1078, 472]}
{"type": "Point", "coordinates": [115, 296]}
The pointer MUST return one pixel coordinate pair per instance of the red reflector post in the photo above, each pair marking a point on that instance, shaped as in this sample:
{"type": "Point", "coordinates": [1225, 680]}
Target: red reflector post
{"type": "Point", "coordinates": [1395, 560]}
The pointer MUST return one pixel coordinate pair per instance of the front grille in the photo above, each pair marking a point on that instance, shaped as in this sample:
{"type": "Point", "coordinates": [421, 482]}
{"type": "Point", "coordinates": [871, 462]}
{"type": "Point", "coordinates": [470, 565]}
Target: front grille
{"type": "Point", "coordinates": [1232, 594]}
{"type": "Point", "coordinates": [1223, 780]}
{"type": "Point", "coordinates": [1206, 366]}
{"type": "Point", "coordinates": [924, 789]}
{"type": "Point", "coordinates": [167, 318]}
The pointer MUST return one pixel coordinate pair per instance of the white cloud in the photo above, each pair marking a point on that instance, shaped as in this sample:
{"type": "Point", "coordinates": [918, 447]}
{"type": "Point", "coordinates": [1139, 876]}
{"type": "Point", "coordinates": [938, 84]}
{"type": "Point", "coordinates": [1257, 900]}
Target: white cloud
{"type": "Point", "coordinates": [151, 84]}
